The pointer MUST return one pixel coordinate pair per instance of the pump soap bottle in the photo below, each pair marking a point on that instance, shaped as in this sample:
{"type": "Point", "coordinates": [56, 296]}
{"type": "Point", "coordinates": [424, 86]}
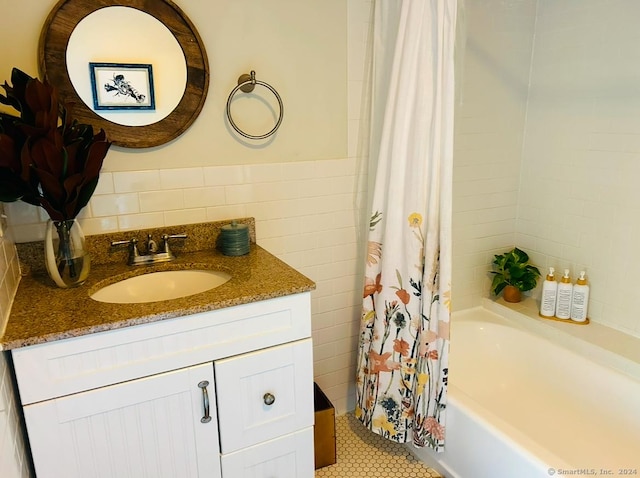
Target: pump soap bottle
{"type": "Point", "coordinates": [563, 302]}
{"type": "Point", "coordinates": [549, 293]}
{"type": "Point", "coordinates": [580, 299]}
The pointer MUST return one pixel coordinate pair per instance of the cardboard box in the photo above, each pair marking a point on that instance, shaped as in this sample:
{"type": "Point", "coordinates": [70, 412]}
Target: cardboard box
{"type": "Point", "coordinates": [324, 430]}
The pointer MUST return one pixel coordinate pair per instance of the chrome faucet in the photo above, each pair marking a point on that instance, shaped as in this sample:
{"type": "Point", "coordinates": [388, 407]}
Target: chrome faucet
{"type": "Point", "coordinates": [154, 254]}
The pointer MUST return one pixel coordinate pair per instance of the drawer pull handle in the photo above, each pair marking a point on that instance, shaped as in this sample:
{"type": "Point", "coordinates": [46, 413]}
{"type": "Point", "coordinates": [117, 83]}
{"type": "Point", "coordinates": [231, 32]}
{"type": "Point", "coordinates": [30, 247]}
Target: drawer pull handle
{"type": "Point", "coordinates": [269, 398]}
{"type": "Point", "coordinates": [205, 399]}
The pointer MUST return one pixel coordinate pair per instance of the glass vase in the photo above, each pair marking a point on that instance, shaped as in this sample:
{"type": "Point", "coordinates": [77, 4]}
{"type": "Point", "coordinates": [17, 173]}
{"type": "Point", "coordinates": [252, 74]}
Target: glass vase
{"type": "Point", "coordinates": [65, 255]}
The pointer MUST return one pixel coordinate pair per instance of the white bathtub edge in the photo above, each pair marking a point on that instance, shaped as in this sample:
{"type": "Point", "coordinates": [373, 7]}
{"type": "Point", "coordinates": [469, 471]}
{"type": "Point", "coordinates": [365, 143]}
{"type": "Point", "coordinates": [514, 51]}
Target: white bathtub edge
{"type": "Point", "coordinates": [511, 450]}
{"type": "Point", "coordinates": [604, 345]}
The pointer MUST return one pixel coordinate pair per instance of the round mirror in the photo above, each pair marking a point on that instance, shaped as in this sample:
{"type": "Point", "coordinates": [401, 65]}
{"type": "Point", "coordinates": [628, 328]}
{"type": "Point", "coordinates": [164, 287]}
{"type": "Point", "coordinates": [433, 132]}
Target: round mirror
{"type": "Point", "coordinates": [136, 68]}
{"type": "Point", "coordinates": [132, 36]}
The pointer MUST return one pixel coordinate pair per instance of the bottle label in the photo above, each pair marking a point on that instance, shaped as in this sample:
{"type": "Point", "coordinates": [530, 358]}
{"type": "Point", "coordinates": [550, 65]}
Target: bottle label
{"type": "Point", "coordinates": [563, 309]}
{"type": "Point", "coordinates": [579, 306]}
{"type": "Point", "coordinates": [548, 302]}
{"type": "Point", "coordinates": [578, 300]}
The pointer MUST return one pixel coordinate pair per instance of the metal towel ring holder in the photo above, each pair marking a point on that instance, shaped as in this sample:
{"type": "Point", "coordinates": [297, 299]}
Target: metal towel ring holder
{"type": "Point", "coordinates": [247, 83]}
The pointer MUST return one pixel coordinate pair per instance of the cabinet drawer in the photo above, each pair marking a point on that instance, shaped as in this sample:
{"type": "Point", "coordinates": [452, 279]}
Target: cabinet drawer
{"type": "Point", "coordinates": [73, 365]}
{"type": "Point", "coordinates": [290, 456]}
{"type": "Point", "coordinates": [265, 394]}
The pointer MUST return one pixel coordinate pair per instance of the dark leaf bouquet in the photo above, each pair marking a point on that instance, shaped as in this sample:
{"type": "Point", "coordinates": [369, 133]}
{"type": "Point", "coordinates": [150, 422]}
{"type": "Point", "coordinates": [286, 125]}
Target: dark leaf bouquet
{"type": "Point", "coordinates": [47, 158]}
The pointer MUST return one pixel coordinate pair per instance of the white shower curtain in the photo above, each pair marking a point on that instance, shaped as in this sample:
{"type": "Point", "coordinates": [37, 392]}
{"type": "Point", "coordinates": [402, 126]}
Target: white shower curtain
{"type": "Point", "coordinates": [404, 338]}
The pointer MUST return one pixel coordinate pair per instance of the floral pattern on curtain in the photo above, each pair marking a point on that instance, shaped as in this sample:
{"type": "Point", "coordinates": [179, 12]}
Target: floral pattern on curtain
{"type": "Point", "coordinates": [402, 372]}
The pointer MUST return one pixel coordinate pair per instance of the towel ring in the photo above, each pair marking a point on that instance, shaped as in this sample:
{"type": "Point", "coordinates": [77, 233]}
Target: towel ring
{"type": "Point", "coordinates": [247, 83]}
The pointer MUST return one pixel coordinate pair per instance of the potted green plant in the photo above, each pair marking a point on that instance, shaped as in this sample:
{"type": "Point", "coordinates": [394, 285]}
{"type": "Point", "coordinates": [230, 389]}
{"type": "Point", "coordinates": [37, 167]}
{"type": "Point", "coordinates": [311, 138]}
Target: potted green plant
{"type": "Point", "coordinates": [50, 160]}
{"type": "Point", "coordinates": [513, 274]}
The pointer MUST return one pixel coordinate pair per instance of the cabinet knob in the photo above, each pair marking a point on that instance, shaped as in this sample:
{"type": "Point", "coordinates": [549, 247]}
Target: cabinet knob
{"type": "Point", "coordinates": [205, 400]}
{"type": "Point", "coordinates": [269, 398]}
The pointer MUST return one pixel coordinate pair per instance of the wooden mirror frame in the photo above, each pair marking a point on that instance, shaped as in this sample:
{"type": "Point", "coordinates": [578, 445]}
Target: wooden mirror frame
{"type": "Point", "coordinates": [52, 60]}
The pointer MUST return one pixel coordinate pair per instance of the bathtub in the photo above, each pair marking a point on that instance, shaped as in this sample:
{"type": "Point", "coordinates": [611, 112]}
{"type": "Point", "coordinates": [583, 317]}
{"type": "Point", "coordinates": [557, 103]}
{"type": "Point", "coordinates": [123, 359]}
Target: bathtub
{"type": "Point", "coordinates": [520, 405]}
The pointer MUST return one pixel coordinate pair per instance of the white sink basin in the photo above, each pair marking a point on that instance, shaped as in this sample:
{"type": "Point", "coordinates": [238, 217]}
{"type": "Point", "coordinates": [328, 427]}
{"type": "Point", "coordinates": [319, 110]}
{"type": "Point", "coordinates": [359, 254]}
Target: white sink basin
{"type": "Point", "coordinates": [163, 285]}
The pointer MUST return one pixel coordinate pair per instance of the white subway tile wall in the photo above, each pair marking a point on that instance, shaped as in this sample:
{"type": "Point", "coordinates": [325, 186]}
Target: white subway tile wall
{"type": "Point", "coordinates": [13, 461]}
{"type": "Point", "coordinates": [579, 199]}
{"type": "Point", "coordinates": [547, 147]}
{"type": "Point", "coordinates": [489, 123]}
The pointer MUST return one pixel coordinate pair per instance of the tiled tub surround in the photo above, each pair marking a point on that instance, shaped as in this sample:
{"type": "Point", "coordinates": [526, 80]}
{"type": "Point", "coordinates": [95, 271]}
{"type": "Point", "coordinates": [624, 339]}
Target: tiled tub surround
{"type": "Point", "coordinates": [42, 312]}
{"type": "Point", "coordinates": [547, 144]}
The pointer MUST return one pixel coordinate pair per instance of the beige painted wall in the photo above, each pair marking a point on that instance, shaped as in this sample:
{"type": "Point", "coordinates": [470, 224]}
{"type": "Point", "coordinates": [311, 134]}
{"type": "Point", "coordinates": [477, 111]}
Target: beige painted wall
{"type": "Point", "coordinates": [298, 47]}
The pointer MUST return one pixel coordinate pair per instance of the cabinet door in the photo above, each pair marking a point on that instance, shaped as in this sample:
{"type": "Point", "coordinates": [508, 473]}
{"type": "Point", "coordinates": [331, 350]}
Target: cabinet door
{"type": "Point", "coordinates": [150, 427]}
{"type": "Point", "coordinates": [290, 456]}
{"type": "Point", "coordinates": [264, 394]}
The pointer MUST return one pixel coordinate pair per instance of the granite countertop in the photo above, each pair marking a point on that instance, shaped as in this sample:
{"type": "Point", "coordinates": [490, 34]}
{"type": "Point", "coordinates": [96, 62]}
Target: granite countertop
{"type": "Point", "coordinates": [42, 312]}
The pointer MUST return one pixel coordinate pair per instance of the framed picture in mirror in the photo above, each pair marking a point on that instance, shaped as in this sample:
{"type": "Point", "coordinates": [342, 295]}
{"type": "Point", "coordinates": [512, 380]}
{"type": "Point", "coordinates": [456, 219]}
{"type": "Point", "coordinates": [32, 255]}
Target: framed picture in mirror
{"type": "Point", "coordinates": [122, 86]}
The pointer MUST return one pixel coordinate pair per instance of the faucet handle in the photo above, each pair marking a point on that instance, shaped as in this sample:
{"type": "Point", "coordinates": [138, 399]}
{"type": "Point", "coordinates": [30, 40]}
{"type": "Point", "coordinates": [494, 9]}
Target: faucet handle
{"type": "Point", "coordinates": [133, 247]}
{"type": "Point", "coordinates": [173, 236]}
{"type": "Point", "coordinates": [133, 242]}
{"type": "Point", "coordinates": [165, 241]}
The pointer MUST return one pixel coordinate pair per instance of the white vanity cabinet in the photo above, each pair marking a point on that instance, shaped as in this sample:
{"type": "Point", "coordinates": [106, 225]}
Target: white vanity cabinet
{"type": "Point", "coordinates": [221, 394]}
{"type": "Point", "coordinates": [148, 427]}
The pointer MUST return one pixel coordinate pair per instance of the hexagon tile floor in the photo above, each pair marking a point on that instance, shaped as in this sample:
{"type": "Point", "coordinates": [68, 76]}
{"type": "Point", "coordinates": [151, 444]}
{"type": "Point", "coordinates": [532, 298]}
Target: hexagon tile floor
{"type": "Point", "coordinates": [362, 453]}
